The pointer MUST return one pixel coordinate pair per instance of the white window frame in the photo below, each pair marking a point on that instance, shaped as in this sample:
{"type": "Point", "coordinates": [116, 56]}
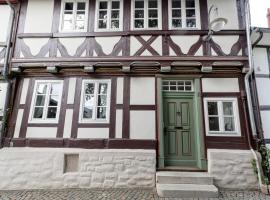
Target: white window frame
{"type": "Point", "coordinates": [95, 81]}
{"type": "Point", "coordinates": [183, 12]}
{"type": "Point", "coordinates": [222, 132]}
{"type": "Point", "coordinates": [74, 15]}
{"type": "Point", "coordinates": [109, 19]}
{"type": "Point", "coordinates": [146, 16]}
{"type": "Point", "coordinates": [45, 119]}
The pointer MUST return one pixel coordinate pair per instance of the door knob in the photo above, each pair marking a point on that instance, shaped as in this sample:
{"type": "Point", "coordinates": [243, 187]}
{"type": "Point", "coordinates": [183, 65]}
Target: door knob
{"type": "Point", "coordinates": [178, 127]}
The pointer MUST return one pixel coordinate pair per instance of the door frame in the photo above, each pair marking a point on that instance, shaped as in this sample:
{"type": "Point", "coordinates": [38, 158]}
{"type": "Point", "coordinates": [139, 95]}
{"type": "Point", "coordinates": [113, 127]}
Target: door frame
{"type": "Point", "coordinates": [198, 122]}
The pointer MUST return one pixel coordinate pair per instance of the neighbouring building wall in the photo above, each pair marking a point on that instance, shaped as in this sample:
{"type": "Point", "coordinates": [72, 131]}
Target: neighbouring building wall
{"type": "Point", "coordinates": [232, 169]}
{"type": "Point", "coordinates": [3, 91]}
{"type": "Point", "coordinates": [4, 24]}
{"type": "Point", "coordinates": [76, 168]}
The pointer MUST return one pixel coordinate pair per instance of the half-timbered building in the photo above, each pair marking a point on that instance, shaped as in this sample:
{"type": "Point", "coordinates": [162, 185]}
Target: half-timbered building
{"type": "Point", "coordinates": [108, 92]}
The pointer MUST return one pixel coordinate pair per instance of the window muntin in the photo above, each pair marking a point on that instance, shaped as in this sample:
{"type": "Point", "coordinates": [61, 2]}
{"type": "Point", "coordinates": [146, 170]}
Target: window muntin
{"type": "Point", "coordinates": [146, 14]}
{"type": "Point", "coordinates": [46, 101]}
{"type": "Point", "coordinates": [109, 15]}
{"type": "Point", "coordinates": [177, 85]}
{"type": "Point", "coordinates": [183, 14]}
{"type": "Point", "coordinates": [95, 101]}
{"type": "Point", "coordinates": [74, 15]}
{"type": "Point", "coordinates": [222, 116]}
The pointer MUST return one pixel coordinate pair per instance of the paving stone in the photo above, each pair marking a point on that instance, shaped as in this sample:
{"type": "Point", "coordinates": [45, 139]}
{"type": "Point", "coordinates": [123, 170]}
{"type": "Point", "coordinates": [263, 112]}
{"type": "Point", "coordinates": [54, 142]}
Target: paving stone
{"type": "Point", "coordinates": [117, 194]}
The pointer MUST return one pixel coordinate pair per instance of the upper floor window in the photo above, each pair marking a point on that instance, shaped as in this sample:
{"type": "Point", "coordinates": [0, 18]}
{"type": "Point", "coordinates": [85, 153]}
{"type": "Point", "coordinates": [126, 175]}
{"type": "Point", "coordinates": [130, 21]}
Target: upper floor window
{"type": "Point", "coordinates": [46, 101]}
{"type": "Point", "coordinates": [183, 14]}
{"type": "Point", "coordinates": [109, 15]}
{"type": "Point", "coordinates": [95, 101]}
{"type": "Point", "coordinates": [221, 116]}
{"type": "Point", "coordinates": [146, 14]}
{"type": "Point", "coordinates": [74, 15]}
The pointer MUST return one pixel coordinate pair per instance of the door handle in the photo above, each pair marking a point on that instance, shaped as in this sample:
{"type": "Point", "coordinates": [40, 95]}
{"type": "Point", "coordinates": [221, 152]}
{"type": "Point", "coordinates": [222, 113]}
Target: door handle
{"type": "Point", "coordinates": [178, 127]}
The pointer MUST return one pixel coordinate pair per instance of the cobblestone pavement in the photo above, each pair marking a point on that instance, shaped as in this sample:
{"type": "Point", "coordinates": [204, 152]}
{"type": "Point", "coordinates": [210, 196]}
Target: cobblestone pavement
{"type": "Point", "coordinates": [116, 194]}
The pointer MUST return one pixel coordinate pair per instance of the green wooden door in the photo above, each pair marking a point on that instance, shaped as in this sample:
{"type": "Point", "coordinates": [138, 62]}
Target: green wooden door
{"type": "Point", "coordinates": [179, 137]}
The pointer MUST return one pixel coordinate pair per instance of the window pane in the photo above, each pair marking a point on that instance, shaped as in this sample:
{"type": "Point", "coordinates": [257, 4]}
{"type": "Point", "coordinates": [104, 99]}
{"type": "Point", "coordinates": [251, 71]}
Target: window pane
{"type": "Point", "coordinates": [213, 124]}
{"type": "Point", "coordinates": [38, 112]}
{"type": "Point", "coordinates": [152, 23]}
{"type": "Point", "coordinates": [227, 108]}
{"type": "Point", "coordinates": [188, 88]}
{"type": "Point", "coordinates": [89, 88]}
{"type": "Point", "coordinates": [42, 88]}
{"type": "Point", "coordinates": [68, 16]}
{"type": "Point", "coordinates": [51, 114]}
{"type": "Point", "coordinates": [176, 13]}
{"type": "Point", "coordinates": [173, 87]}
{"type": "Point", "coordinates": [89, 103]}
{"type": "Point", "coordinates": [176, 4]}
{"type": "Point", "coordinates": [102, 14]}
{"type": "Point", "coordinates": [229, 124]}
{"type": "Point", "coordinates": [176, 23]}
{"type": "Point", "coordinates": [53, 101]}
{"type": "Point", "coordinates": [191, 23]}
{"type": "Point", "coordinates": [139, 14]}
{"type": "Point", "coordinates": [102, 100]}
{"type": "Point", "coordinates": [103, 88]}
{"type": "Point", "coordinates": [79, 25]}
{"type": "Point", "coordinates": [69, 6]}
{"type": "Point", "coordinates": [81, 6]}
{"type": "Point", "coordinates": [165, 88]}
{"type": "Point", "coordinates": [55, 89]}
{"type": "Point", "coordinates": [115, 24]}
{"type": "Point", "coordinates": [139, 23]}
{"type": "Point", "coordinates": [102, 24]}
{"type": "Point", "coordinates": [190, 3]}
{"type": "Point", "coordinates": [115, 5]}
{"type": "Point", "coordinates": [180, 88]}
{"type": "Point", "coordinates": [101, 113]}
{"type": "Point", "coordinates": [115, 14]}
{"type": "Point", "coordinates": [40, 100]}
{"type": "Point", "coordinates": [80, 15]}
{"type": "Point", "coordinates": [139, 4]}
{"type": "Point", "coordinates": [153, 14]}
{"type": "Point", "coordinates": [87, 113]}
{"type": "Point", "coordinates": [190, 13]}
{"type": "Point", "coordinates": [152, 4]}
{"type": "Point", "coordinates": [212, 108]}
{"type": "Point", "coordinates": [103, 5]}
{"type": "Point", "coordinates": [67, 25]}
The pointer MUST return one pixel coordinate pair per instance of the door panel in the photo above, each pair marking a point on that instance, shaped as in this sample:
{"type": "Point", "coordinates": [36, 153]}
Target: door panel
{"type": "Point", "coordinates": [179, 132]}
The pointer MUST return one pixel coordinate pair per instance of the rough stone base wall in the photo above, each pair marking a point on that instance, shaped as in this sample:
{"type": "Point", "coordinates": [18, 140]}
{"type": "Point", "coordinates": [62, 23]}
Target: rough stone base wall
{"type": "Point", "coordinates": [232, 169]}
{"type": "Point", "coordinates": [35, 168]}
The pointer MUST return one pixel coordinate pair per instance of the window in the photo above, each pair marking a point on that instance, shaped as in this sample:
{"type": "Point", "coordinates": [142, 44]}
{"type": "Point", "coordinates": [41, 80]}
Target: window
{"type": "Point", "coordinates": [95, 101]}
{"type": "Point", "coordinates": [221, 116]}
{"type": "Point", "coordinates": [177, 86]}
{"type": "Point", "coordinates": [109, 15]}
{"type": "Point", "coordinates": [46, 101]}
{"type": "Point", "coordinates": [146, 14]}
{"type": "Point", "coordinates": [184, 14]}
{"type": "Point", "coordinates": [74, 15]}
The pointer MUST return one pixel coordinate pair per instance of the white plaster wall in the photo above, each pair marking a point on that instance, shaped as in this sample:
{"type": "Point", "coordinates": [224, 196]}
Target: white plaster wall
{"type": "Point", "coordinates": [135, 45]}
{"type": "Point", "coordinates": [261, 65]}
{"type": "Point", "coordinates": [4, 22]}
{"type": "Point", "coordinates": [39, 20]}
{"type": "Point", "coordinates": [265, 116]}
{"type": "Point", "coordinates": [157, 45]}
{"type": "Point", "coordinates": [120, 90]}
{"type": "Point", "coordinates": [71, 45]}
{"type": "Point", "coordinates": [118, 123]}
{"type": "Point", "coordinates": [41, 132]}
{"type": "Point", "coordinates": [226, 9]}
{"type": "Point", "coordinates": [263, 85]}
{"type": "Point", "coordinates": [35, 44]}
{"type": "Point", "coordinates": [142, 91]}
{"type": "Point", "coordinates": [42, 168]}
{"type": "Point", "coordinates": [24, 90]}
{"type": "Point", "coordinates": [3, 93]}
{"type": "Point", "coordinates": [185, 43]}
{"type": "Point", "coordinates": [232, 169]}
{"type": "Point", "coordinates": [220, 85]}
{"type": "Point", "coordinates": [68, 123]}
{"type": "Point", "coordinates": [93, 133]}
{"type": "Point", "coordinates": [71, 90]}
{"type": "Point", "coordinates": [1, 59]}
{"type": "Point", "coordinates": [18, 123]}
{"type": "Point", "coordinates": [107, 43]}
{"type": "Point", "coordinates": [265, 40]}
{"type": "Point", "coordinates": [225, 42]}
{"type": "Point", "coordinates": [143, 125]}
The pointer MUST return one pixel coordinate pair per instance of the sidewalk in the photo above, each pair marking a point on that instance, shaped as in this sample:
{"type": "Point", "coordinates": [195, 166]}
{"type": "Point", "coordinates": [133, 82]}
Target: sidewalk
{"type": "Point", "coordinates": [116, 194]}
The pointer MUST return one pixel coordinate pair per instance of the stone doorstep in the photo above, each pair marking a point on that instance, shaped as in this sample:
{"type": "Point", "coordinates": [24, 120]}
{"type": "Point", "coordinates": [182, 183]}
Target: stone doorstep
{"type": "Point", "coordinates": [187, 191]}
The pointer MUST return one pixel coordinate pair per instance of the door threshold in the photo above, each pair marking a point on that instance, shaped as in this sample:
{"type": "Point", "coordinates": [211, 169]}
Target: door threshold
{"type": "Point", "coordinates": [181, 169]}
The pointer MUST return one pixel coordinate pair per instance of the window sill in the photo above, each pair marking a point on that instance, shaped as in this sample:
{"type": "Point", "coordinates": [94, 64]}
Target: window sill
{"type": "Point", "coordinates": [222, 134]}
